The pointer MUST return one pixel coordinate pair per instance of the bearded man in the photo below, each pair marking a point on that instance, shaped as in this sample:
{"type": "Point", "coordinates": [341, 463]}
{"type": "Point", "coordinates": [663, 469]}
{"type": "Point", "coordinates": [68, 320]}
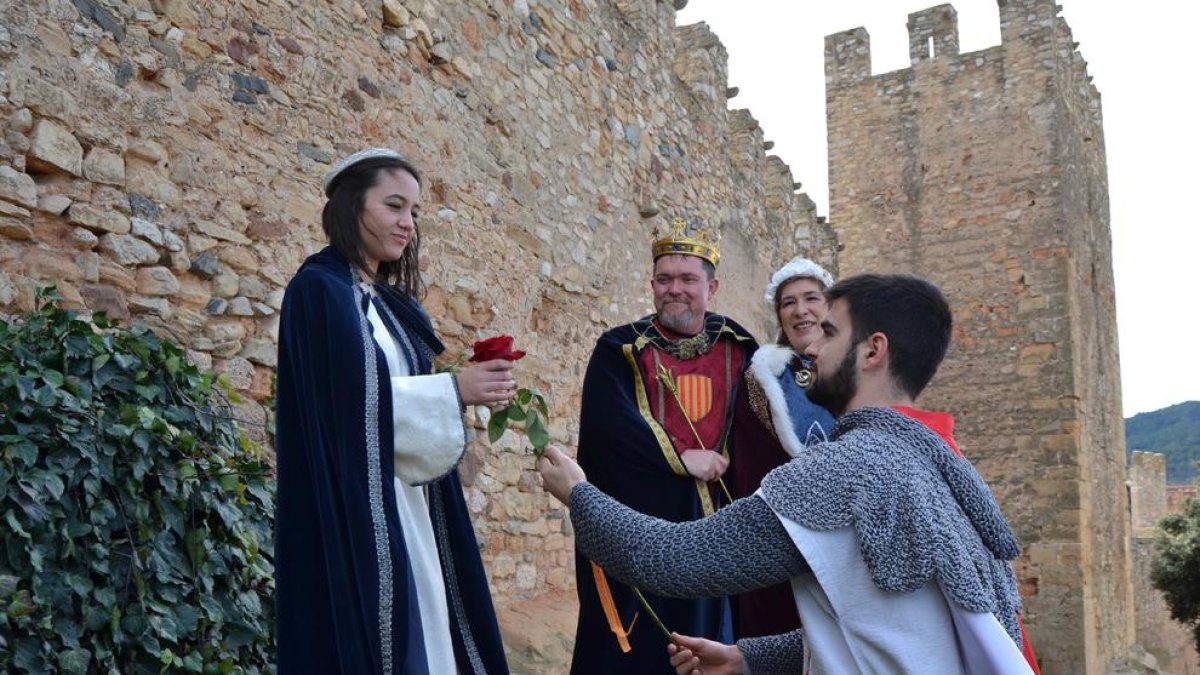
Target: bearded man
{"type": "Point", "coordinates": [654, 430]}
{"type": "Point", "coordinates": [898, 555]}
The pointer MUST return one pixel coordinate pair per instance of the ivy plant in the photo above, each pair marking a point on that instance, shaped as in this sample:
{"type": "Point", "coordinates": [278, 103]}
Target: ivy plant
{"type": "Point", "coordinates": [135, 517]}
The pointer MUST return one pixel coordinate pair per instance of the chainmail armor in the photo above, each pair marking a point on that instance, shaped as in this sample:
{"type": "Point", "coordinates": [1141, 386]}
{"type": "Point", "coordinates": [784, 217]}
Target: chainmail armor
{"type": "Point", "coordinates": [920, 512]}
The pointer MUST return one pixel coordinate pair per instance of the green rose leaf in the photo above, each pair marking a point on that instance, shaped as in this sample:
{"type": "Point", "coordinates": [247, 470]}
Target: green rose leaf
{"type": "Point", "coordinates": [538, 436]}
{"type": "Point", "coordinates": [497, 424]}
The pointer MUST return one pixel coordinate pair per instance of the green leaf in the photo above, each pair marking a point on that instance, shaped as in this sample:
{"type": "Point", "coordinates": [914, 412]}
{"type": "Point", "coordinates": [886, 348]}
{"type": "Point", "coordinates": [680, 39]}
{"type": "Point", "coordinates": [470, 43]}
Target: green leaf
{"type": "Point", "coordinates": [516, 413]}
{"type": "Point", "coordinates": [228, 481]}
{"type": "Point", "coordinates": [539, 437]}
{"type": "Point", "coordinates": [497, 424]}
{"type": "Point", "coordinates": [187, 618]}
{"type": "Point", "coordinates": [52, 377]}
{"type": "Point", "coordinates": [74, 661]}
{"type": "Point", "coordinates": [11, 519]}
{"type": "Point", "coordinates": [142, 439]}
{"type": "Point", "coordinates": [24, 450]}
{"type": "Point", "coordinates": [524, 396]}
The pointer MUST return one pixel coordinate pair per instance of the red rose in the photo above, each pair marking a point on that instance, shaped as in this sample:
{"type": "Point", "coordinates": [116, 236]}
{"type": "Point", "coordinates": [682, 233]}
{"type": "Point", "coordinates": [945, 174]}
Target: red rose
{"type": "Point", "coordinates": [499, 347]}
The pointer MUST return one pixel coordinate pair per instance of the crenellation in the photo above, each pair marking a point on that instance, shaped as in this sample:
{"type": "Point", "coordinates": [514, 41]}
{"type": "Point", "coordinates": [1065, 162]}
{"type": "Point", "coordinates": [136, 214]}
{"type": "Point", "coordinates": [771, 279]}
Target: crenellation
{"type": "Point", "coordinates": [1022, 20]}
{"type": "Point", "coordinates": [847, 57]}
{"type": "Point", "coordinates": [932, 33]}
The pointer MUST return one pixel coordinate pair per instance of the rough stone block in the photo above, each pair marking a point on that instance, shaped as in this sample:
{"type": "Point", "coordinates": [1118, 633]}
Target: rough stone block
{"type": "Point", "coordinates": [103, 166]}
{"type": "Point", "coordinates": [239, 371]}
{"type": "Point", "coordinates": [12, 228]}
{"type": "Point", "coordinates": [55, 148]}
{"type": "Point", "coordinates": [228, 330]}
{"type": "Point", "coordinates": [146, 230]}
{"type": "Point", "coordinates": [156, 281]}
{"type": "Point", "coordinates": [253, 288]}
{"type": "Point", "coordinates": [218, 232]}
{"type": "Point", "coordinates": [240, 307]}
{"type": "Point", "coordinates": [240, 258]}
{"type": "Point", "coordinates": [98, 219]}
{"type": "Point", "coordinates": [159, 307]}
{"type": "Point", "coordinates": [52, 266]}
{"type": "Point", "coordinates": [17, 187]}
{"type": "Point", "coordinates": [262, 352]}
{"type": "Point", "coordinates": [128, 250]}
{"type": "Point", "coordinates": [117, 275]}
{"type": "Point", "coordinates": [225, 285]}
{"type": "Point", "coordinates": [193, 290]}
{"type": "Point", "coordinates": [107, 299]}
{"type": "Point", "coordinates": [53, 203]}
{"type": "Point", "coordinates": [8, 290]}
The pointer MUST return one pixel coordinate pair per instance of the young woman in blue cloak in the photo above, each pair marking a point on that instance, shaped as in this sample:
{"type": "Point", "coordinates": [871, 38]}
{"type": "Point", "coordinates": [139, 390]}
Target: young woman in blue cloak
{"type": "Point", "coordinates": [377, 569]}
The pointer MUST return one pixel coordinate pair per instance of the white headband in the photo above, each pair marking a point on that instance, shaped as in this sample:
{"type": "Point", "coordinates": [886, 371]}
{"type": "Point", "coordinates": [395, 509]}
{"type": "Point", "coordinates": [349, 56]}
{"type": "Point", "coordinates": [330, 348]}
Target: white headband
{"type": "Point", "coordinates": [354, 159]}
{"type": "Point", "coordinates": [797, 267]}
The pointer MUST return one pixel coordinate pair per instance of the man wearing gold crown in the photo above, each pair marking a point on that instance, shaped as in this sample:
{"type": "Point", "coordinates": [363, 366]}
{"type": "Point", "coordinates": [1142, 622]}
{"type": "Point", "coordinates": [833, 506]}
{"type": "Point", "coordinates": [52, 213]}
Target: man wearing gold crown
{"type": "Point", "coordinates": [654, 431]}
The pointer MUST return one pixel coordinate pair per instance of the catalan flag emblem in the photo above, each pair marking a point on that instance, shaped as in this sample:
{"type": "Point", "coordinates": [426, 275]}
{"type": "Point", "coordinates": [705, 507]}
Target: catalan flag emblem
{"type": "Point", "coordinates": [696, 393]}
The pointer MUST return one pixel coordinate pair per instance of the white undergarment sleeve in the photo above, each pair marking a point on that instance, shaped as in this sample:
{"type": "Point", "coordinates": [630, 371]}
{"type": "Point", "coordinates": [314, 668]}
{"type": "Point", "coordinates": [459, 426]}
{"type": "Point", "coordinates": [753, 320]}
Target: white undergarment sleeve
{"type": "Point", "coordinates": [427, 425]}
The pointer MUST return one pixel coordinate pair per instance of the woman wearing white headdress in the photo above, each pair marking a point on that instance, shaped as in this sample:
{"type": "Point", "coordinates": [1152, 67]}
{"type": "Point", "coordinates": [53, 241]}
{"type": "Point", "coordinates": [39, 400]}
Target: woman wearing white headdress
{"type": "Point", "coordinates": [774, 420]}
{"type": "Point", "coordinates": [377, 569]}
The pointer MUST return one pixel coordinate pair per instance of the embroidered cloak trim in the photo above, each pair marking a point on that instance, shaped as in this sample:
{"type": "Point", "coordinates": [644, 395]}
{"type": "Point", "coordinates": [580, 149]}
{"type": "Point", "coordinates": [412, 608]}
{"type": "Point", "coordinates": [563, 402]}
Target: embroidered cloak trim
{"type": "Point", "coordinates": [628, 455]}
{"type": "Point", "coordinates": [346, 601]}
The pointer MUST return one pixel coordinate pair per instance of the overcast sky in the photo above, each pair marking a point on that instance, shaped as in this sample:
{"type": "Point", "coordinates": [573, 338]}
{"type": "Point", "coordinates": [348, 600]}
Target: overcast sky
{"type": "Point", "coordinates": [1143, 60]}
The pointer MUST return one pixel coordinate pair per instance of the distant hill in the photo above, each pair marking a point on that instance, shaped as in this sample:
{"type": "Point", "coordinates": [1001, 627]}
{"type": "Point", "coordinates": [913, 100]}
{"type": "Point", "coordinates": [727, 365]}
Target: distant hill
{"type": "Point", "coordinates": [1175, 432]}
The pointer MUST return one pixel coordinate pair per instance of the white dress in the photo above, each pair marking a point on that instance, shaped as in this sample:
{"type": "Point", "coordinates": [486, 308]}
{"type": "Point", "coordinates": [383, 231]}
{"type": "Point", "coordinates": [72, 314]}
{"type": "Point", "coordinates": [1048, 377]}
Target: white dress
{"type": "Point", "coordinates": [429, 440]}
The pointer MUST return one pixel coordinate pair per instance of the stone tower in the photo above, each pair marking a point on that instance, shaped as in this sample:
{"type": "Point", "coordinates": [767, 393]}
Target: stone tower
{"type": "Point", "coordinates": [985, 172]}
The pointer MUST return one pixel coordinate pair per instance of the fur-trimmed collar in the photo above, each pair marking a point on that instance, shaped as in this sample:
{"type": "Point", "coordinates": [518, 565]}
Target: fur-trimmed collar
{"type": "Point", "coordinates": [766, 366]}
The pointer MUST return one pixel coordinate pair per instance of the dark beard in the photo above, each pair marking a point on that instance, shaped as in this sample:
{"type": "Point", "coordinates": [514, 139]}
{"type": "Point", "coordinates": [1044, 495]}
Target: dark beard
{"type": "Point", "coordinates": [834, 391]}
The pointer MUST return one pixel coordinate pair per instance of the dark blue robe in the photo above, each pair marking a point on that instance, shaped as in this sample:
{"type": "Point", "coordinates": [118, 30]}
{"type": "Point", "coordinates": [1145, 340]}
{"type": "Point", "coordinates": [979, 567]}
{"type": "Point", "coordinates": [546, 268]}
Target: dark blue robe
{"type": "Point", "coordinates": [345, 598]}
{"type": "Point", "coordinates": [622, 456]}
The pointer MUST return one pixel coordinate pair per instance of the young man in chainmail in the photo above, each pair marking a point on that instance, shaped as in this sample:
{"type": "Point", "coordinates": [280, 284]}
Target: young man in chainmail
{"type": "Point", "coordinates": [897, 552]}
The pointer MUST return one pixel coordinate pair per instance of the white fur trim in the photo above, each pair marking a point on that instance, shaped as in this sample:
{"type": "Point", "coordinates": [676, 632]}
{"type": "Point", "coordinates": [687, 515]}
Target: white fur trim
{"type": "Point", "coordinates": [796, 267]}
{"type": "Point", "coordinates": [354, 159]}
{"type": "Point", "coordinates": [766, 366]}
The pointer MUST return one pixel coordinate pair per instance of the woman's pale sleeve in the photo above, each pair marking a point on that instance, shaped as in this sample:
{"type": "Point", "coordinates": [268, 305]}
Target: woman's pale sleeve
{"type": "Point", "coordinates": [430, 436]}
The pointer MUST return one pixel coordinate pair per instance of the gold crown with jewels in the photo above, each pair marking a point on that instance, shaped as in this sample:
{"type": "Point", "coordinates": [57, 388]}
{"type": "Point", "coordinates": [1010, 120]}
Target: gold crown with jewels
{"type": "Point", "coordinates": [678, 242]}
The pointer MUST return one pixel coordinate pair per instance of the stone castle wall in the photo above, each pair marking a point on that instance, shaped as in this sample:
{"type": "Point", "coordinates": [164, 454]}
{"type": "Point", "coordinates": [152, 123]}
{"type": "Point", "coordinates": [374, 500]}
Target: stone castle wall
{"type": "Point", "coordinates": [985, 172]}
{"type": "Point", "coordinates": [161, 160]}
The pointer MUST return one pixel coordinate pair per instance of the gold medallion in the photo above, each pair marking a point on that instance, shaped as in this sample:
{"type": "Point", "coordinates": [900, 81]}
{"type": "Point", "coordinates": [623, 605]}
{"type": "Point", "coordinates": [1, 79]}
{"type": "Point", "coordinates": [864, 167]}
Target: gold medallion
{"type": "Point", "coordinates": [804, 377]}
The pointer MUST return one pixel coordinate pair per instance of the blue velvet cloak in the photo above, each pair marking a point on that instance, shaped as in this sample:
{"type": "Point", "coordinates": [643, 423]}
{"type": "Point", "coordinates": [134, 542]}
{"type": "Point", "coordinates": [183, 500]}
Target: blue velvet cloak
{"type": "Point", "coordinates": [345, 597]}
{"type": "Point", "coordinates": [622, 456]}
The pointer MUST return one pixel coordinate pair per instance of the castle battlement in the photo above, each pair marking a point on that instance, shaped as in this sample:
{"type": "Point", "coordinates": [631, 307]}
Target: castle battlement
{"type": "Point", "coordinates": [932, 32]}
{"type": "Point", "coordinates": [933, 38]}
